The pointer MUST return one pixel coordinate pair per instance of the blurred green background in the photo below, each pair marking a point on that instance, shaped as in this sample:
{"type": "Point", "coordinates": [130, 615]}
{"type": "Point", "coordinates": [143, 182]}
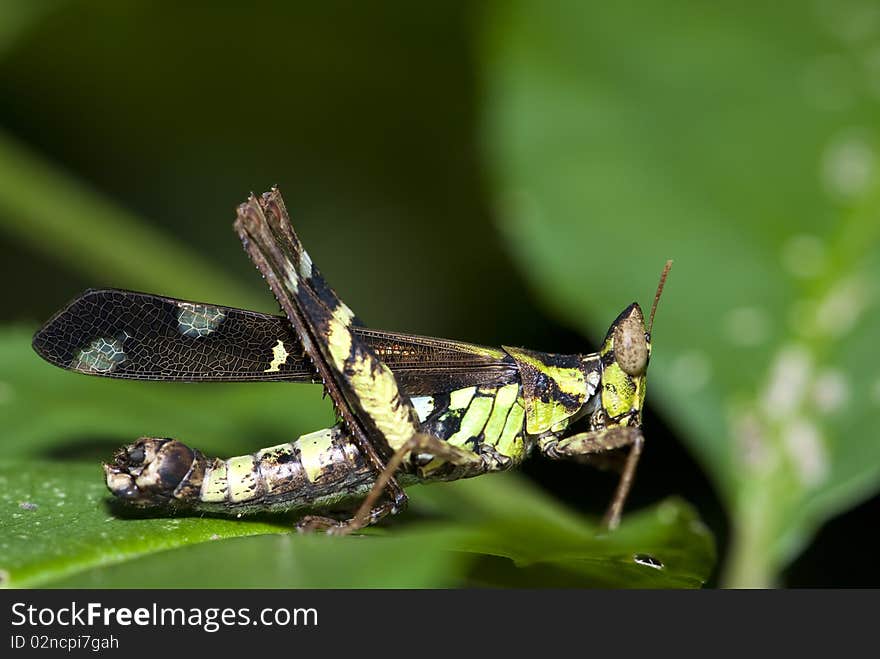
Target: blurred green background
{"type": "Point", "coordinates": [503, 173]}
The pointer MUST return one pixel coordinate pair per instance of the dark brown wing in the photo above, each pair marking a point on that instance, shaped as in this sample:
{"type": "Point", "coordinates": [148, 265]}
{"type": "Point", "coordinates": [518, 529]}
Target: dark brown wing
{"type": "Point", "coordinates": [139, 336]}
{"type": "Point", "coordinates": [425, 365]}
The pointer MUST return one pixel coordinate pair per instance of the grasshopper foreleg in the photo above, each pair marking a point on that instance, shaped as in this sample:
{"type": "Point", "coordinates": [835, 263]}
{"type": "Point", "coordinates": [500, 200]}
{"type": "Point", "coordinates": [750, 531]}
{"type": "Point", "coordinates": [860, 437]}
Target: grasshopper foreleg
{"type": "Point", "coordinates": [595, 443]}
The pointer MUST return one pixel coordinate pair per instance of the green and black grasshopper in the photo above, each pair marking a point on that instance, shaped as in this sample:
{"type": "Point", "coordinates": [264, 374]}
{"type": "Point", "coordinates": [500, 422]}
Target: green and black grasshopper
{"type": "Point", "coordinates": [411, 408]}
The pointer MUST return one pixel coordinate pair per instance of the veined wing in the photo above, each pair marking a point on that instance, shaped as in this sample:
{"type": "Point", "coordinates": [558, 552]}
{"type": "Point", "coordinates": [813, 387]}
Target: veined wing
{"type": "Point", "coordinates": [425, 365]}
{"type": "Point", "coordinates": [139, 336]}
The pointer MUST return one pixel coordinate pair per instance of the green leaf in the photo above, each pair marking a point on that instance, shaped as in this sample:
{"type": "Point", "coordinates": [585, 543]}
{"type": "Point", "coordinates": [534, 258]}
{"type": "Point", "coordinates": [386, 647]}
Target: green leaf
{"type": "Point", "coordinates": [524, 539]}
{"type": "Point", "coordinates": [59, 530]}
{"type": "Point", "coordinates": [55, 523]}
{"type": "Point", "coordinates": [18, 16]}
{"type": "Point", "coordinates": [742, 142]}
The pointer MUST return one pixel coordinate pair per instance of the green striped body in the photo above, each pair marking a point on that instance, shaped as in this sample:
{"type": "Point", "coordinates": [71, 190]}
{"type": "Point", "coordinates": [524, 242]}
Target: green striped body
{"type": "Point", "coordinates": [486, 420]}
{"type": "Point", "coordinates": [500, 424]}
{"type": "Point", "coordinates": [326, 469]}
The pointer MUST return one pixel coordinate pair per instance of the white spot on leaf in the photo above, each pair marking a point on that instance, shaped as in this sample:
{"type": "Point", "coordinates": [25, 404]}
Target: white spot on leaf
{"type": "Point", "coordinates": [691, 371]}
{"type": "Point", "coordinates": [806, 450]}
{"type": "Point", "coordinates": [789, 377]}
{"type": "Point", "coordinates": [850, 21]}
{"type": "Point", "coordinates": [751, 442]}
{"type": "Point", "coordinates": [839, 311]}
{"type": "Point", "coordinates": [804, 256]}
{"type": "Point", "coordinates": [830, 391]}
{"type": "Point", "coordinates": [746, 326]}
{"type": "Point", "coordinates": [848, 166]}
{"type": "Point", "coordinates": [648, 561]}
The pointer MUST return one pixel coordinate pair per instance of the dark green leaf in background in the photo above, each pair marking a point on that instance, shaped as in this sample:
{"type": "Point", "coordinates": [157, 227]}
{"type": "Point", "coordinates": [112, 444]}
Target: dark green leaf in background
{"type": "Point", "coordinates": [740, 140]}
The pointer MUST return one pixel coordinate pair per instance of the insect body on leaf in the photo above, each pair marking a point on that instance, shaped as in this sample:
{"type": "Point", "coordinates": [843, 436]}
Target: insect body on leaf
{"type": "Point", "coordinates": [411, 408]}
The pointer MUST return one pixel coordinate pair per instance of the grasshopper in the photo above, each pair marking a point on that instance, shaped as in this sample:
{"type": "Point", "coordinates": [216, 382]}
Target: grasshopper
{"type": "Point", "coordinates": [410, 408]}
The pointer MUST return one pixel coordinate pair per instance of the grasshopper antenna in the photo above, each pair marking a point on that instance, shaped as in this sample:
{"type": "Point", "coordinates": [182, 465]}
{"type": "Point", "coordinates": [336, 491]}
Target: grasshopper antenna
{"type": "Point", "coordinates": [666, 269]}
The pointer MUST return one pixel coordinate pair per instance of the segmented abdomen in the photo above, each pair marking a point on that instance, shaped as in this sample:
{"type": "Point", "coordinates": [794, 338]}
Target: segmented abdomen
{"type": "Point", "coordinates": [323, 469]}
{"type": "Point", "coordinates": [318, 470]}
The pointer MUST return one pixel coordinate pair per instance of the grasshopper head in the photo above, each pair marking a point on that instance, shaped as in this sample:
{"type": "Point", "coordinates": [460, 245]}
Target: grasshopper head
{"type": "Point", "coordinates": [625, 354]}
{"type": "Point", "coordinates": [629, 341]}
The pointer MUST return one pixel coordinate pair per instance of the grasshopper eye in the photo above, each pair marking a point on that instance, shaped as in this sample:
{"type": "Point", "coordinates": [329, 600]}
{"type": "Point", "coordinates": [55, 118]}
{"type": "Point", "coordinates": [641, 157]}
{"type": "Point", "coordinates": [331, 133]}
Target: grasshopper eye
{"type": "Point", "coordinates": [631, 346]}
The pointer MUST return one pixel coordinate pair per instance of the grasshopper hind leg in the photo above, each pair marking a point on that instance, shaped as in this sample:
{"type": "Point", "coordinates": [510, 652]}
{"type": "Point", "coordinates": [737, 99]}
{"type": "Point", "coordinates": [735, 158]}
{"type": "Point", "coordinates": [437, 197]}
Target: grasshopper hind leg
{"type": "Point", "coordinates": [333, 526]}
{"type": "Point", "coordinates": [371, 509]}
{"type": "Point", "coordinates": [364, 391]}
